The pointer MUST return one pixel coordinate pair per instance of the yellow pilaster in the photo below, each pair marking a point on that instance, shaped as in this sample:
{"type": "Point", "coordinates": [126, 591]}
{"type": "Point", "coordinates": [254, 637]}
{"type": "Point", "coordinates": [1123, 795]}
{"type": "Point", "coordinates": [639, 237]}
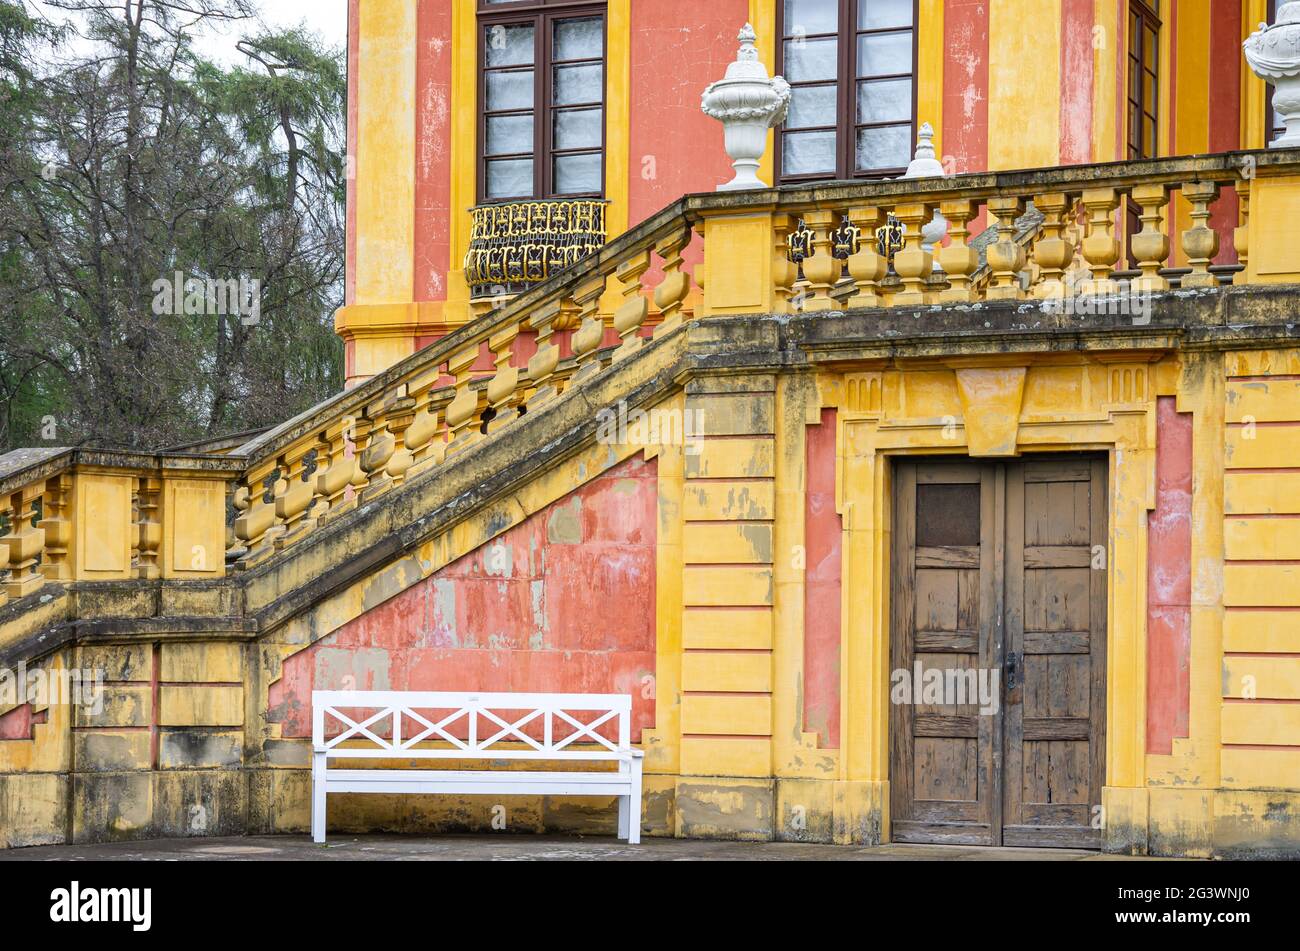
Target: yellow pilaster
{"type": "Point", "coordinates": [931, 54]}
{"type": "Point", "coordinates": [381, 324]}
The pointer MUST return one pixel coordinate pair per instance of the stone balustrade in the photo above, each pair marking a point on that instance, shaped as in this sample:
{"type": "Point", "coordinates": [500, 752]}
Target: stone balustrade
{"type": "Point", "coordinates": [1027, 238]}
{"type": "Point", "coordinates": [76, 515]}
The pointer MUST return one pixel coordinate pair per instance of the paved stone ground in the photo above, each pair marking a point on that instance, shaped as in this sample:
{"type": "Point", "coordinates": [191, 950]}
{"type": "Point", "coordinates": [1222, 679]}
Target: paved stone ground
{"type": "Point", "coordinates": [522, 849]}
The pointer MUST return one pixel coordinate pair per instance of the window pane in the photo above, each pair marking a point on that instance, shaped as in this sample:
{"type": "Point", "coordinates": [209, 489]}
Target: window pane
{"type": "Point", "coordinates": [878, 14]}
{"type": "Point", "coordinates": [578, 129]}
{"type": "Point", "coordinates": [811, 106]}
{"type": "Point", "coordinates": [1150, 55]}
{"type": "Point", "coordinates": [884, 53]}
{"type": "Point", "coordinates": [575, 174]}
{"type": "Point", "coordinates": [810, 60]}
{"type": "Point", "coordinates": [511, 178]}
{"type": "Point", "coordinates": [888, 147]}
{"type": "Point", "coordinates": [579, 39]}
{"type": "Point", "coordinates": [512, 90]}
{"type": "Point", "coordinates": [579, 84]}
{"type": "Point", "coordinates": [509, 45]}
{"type": "Point", "coordinates": [1149, 137]}
{"type": "Point", "coordinates": [808, 17]}
{"type": "Point", "coordinates": [1149, 91]}
{"type": "Point", "coordinates": [509, 135]}
{"type": "Point", "coordinates": [807, 153]}
{"type": "Point", "coordinates": [888, 100]}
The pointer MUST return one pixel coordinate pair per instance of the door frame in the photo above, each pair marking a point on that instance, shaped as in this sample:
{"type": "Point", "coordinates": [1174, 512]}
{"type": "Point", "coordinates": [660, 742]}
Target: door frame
{"type": "Point", "coordinates": [978, 407]}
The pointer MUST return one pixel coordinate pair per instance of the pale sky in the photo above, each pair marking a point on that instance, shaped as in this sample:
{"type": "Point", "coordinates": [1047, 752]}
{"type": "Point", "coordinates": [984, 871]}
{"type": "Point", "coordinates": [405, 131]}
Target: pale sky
{"type": "Point", "coordinates": [329, 18]}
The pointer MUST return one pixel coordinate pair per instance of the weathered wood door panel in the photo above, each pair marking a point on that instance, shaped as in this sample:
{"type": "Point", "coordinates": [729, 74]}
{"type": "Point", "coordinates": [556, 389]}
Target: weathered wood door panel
{"type": "Point", "coordinates": [1056, 645]}
{"type": "Point", "coordinates": [943, 783]}
{"type": "Point", "coordinates": [995, 575]}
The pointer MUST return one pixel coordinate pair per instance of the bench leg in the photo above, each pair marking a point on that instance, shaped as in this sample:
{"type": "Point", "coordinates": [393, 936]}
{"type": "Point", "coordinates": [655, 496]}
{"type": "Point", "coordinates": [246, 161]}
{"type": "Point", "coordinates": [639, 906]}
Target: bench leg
{"type": "Point", "coordinates": [634, 805]}
{"type": "Point", "coordinates": [318, 798]}
{"type": "Point", "coordinates": [624, 811]}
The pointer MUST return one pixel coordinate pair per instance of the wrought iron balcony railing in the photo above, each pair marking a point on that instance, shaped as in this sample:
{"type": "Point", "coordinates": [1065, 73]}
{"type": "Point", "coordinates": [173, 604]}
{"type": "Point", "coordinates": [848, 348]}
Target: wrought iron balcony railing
{"type": "Point", "coordinates": [517, 245]}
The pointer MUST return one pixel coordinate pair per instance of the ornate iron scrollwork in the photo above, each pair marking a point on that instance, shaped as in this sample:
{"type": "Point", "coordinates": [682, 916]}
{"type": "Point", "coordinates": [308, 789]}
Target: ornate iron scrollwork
{"type": "Point", "coordinates": [799, 243]}
{"type": "Point", "coordinates": [889, 238]}
{"type": "Point", "coordinates": [516, 245]}
{"type": "Point", "coordinates": [845, 240]}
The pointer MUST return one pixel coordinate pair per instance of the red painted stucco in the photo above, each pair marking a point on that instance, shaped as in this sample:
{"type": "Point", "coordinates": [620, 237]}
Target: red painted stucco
{"type": "Point", "coordinates": [1076, 81]}
{"type": "Point", "coordinates": [433, 150]}
{"type": "Point", "coordinates": [822, 534]}
{"type": "Point", "coordinates": [1224, 77]}
{"type": "Point", "coordinates": [966, 84]}
{"type": "Point", "coordinates": [564, 602]}
{"type": "Point", "coordinates": [1169, 581]}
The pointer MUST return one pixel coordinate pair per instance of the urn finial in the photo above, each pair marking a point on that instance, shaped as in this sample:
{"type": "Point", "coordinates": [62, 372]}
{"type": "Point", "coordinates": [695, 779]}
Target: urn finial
{"type": "Point", "coordinates": [747, 103]}
{"type": "Point", "coordinates": [1273, 53]}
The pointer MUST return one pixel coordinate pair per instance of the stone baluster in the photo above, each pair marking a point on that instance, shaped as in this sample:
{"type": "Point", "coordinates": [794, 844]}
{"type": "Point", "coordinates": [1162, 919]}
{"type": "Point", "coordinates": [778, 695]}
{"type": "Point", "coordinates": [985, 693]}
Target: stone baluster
{"type": "Point", "coordinates": [1200, 241]}
{"type": "Point", "coordinates": [25, 542]}
{"type": "Point", "coordinates": [1241, 235]}
{"type": "Point", "coordinates": [541, 368]}
{"type": "Point", "coordinates": [822, 269]}
{"type": "Point", "coordinates": [590, 333]}
{"type": "Point", "coordinates": [300, 489]}
{"type": "Point", "coordinates": [57, 526]}
{"type": "Point", "coordinates": [462, 410]}
{"type": "Point", "coordinates": [503, 389]}
{"type": "Point", "coordinates": [1006, 258]}
{"type": "Point", "coordinates": [149, 526]}
{"type": "Point", "coordinates": [670, 295]}
{"type": "Point", "coordinates": [373, 461]}
{"type": "Point", "coordinates": [361, 428]}
{"type": "Point", "coordinates": [426, 437]}
{"type": "Point", "coordinates": [632, 313]}
{"type": "Point", "coordinates": [1101, 247]}
{"type": "Point", "coordinates": [959, 260]}
{"type": "Point", "coordinates": [1151, 244]}
{"type": "Point", "coordinates": [400, 417]}
{"type": "Point", "coordinates": [339, 466]}
{"type": "Point", "coordinates": [1053, 251]}
{"type": "Point", "coordinates": [913, 263]}
{"type": "Point", "coordinates": [784, 271]}
{"type": "Point", "coordinates": [865, 264]}
{"type": "Point", "coordinates": [257, 526]}
{"type": "Point", "coordinates": [239, 503]}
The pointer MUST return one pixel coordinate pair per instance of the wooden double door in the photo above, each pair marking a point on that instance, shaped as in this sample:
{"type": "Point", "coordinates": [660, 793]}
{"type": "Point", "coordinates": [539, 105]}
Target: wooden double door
{"type": "Point", "coordinates": [999, 586]}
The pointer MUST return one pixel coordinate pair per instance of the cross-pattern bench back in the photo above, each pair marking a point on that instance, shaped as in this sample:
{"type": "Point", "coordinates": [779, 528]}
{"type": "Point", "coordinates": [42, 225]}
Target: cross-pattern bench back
{"type": "Point", "coordinates": [394, 724]}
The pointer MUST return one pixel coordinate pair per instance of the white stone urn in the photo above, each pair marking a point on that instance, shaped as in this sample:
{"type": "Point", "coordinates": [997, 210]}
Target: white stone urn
{"type": "Point", "coordinates": [747, 103]}
{"type": "Point", "coordinates": [1273, 53]}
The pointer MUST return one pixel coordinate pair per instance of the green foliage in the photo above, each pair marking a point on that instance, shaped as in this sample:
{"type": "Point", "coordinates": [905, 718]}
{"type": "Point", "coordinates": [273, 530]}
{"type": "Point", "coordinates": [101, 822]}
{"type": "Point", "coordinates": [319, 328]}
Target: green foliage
{"type": "Point", "coordinates": [125, 158]}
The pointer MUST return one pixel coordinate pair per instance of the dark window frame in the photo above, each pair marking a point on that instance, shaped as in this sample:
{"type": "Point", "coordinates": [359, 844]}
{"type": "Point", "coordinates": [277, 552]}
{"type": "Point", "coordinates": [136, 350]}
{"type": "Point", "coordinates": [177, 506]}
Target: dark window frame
{"type": "Point", "coordinates": [1147, 20]}
{"type": "Point", "coordinates": [541, 15]}
{"type": "Point", "coordinates": [846, 82]}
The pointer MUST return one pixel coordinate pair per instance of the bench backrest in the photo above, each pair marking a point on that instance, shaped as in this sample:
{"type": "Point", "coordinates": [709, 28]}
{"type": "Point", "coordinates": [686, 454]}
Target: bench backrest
{"type": "Point", "coordinates": [473, 725]}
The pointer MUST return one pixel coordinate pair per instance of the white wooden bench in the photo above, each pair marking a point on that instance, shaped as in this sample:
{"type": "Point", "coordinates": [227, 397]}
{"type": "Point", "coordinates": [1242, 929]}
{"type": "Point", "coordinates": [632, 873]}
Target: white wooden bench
{"type": "Point", "coordinates": [388, 724]}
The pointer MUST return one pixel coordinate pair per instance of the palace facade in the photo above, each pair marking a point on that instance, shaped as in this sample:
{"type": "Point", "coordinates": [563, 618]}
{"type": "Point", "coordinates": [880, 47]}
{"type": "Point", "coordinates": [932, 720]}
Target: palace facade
{"type": "Point", "coordinates": [947, 490]}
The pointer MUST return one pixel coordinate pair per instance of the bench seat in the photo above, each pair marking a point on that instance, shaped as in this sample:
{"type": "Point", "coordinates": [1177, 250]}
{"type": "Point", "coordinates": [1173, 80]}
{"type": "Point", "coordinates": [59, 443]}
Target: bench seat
{"type": "Point", "coordinates": [399, 725]}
